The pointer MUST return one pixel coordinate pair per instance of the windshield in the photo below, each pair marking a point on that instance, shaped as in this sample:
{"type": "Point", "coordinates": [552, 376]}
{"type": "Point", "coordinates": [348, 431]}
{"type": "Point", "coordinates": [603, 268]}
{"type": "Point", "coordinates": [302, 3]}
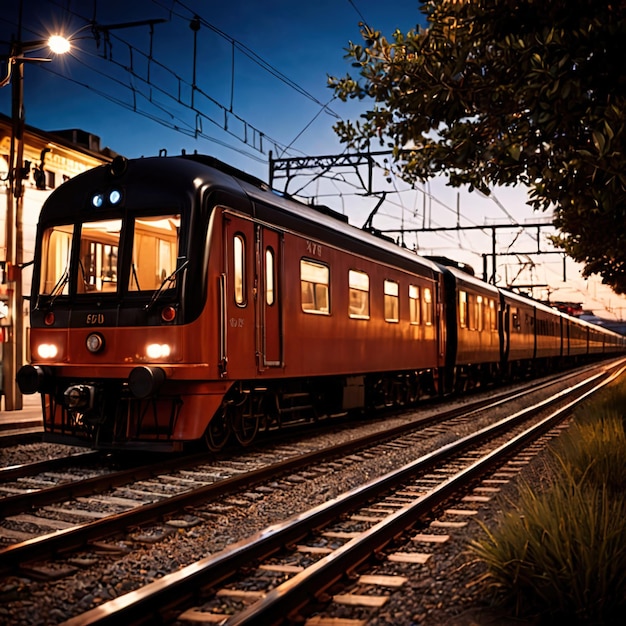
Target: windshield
{"type": "Point", "coordinates": [97, 267]}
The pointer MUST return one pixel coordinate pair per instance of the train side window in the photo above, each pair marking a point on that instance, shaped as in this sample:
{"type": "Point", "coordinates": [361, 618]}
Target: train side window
{"type": "Point", "coordinates": [359, 283]}
{"type": "Point", "coordinates": [269, 276]}
{"type": "Point", "coordinates": [414, 304]}
{"type": "Point", "coordinates": [392, 297]}
{"type": "Point", "coordinates": [463, 309]}
{"type": "Point", "coordinates": [515, 320]}
{"type": "Point", "coordinates": [428, 307]}
{"type": "Point", "coordinates": [239, 267]}
{"type": "Point", "coordinates": [480, 320]}
{"type": "Point", "coordinates": [314, 282]}
{"type": "Point", "coordinates": [493, 316]}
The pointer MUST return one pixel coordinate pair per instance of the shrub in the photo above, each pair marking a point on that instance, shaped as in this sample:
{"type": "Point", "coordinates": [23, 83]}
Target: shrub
{"type": "Point", "coordinates": [561, 553]}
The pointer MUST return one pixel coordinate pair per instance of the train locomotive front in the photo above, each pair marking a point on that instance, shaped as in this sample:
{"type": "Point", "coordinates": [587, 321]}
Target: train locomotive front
{"type": "Point", "coordinates": [119, 287]}
{"type": "Point", "coordinates": [177, 299]}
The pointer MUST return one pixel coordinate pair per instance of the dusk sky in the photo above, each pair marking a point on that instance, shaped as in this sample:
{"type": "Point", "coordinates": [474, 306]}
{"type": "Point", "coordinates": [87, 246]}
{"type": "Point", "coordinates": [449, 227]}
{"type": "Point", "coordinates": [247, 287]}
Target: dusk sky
{"type": "Point", "coordinates": [261, 72]}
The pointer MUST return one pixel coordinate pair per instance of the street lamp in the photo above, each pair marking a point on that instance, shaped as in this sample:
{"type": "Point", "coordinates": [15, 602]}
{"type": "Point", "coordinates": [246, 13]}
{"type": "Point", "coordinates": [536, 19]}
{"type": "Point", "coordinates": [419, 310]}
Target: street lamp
{"type": "Point", "coordinates": [14, 348]}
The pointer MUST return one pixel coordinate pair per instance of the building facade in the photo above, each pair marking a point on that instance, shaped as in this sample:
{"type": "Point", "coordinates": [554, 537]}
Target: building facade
{"type": "Point", "coordinates": [50, 158]}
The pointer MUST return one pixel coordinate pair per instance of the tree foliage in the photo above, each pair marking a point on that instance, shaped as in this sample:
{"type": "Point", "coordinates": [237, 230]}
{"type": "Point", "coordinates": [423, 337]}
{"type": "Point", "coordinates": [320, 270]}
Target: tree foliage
{"type": "Point", "coordinates": [506, 92]}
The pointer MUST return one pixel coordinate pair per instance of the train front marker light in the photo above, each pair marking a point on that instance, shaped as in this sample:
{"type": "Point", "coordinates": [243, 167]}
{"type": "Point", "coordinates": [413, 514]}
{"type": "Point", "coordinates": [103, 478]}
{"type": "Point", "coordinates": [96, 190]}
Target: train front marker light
{"type": "Point", "coordinates": [94, 343]}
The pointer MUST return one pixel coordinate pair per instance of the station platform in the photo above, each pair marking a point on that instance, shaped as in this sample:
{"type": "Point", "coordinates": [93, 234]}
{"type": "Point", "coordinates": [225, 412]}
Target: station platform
{"type": "Point", "coordinates": [26, 419]}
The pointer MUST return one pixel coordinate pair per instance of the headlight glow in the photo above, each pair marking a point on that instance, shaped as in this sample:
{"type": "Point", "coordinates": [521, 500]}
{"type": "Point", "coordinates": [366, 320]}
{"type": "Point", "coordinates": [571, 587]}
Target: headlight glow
{"type": "Point", "coordinates": [158, 350]}
{"type": "Point", "coordinates": [47, 351]}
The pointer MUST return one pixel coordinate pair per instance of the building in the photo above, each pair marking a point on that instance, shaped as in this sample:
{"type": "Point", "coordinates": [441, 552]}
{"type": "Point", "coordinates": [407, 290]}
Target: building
{"type": "Point", "coordinates": [50, 158]}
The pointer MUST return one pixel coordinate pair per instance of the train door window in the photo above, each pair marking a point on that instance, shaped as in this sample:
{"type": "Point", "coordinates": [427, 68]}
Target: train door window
{"type": "Point", "coordinates": [359, 283]}
{"type": "Point", "coordinates": [414, 304]}
{"type": "Point", "coordinates": [428, 307]}
{"type": "Point", "coordinates": [314, 282]}
{"type": "Point", "coordinates": [97, 263]}
{"type": "Point", "coordinates": [480, 320]}
{"type": "Point", "coordinates": [269, 276]}
{"type": "Point", "coordinates": [239, 269]}
{"type": "Point", "coordinates": [55, 254]}
{"type": "Point", "coordinates": [155, 253]}
{"type": "Point", "coordinates": [392, 297]}
{"type": "Point", "coordinates": [463, 309]}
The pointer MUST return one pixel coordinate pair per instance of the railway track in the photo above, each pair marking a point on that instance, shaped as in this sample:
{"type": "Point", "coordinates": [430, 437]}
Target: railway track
{"type": "Point", "coordinates": [22, 557]}
{"type": "Point", "coordinates": [288, 571]}
{"type": "Point", "coordinates": [41, 519]}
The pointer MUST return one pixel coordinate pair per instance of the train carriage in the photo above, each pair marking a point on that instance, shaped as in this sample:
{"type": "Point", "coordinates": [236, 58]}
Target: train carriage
{"type": "Point", "coordinates": [176, 299]}
{"type": "Point", "coordinates": [473, 336]}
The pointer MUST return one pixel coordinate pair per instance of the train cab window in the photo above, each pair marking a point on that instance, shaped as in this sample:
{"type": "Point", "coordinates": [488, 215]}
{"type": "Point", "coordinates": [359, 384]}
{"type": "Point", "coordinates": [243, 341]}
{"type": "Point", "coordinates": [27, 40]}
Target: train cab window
{"type": "Point", "coordinates": [428, 307]}
{"type": "Point", "coordinates": [392, 297]}
{"type": "Point", "coordinates": [463, 309]}
{"type": "Point", "coordinates": [55, 254]}
{"type": "Point", "coordinates": [414, 304]}
{"type": "Point", "coordinates": [314, 282]}
{"type": "Point", "coordinates": [269, 276]}
{"type": "Point", "coordinates": [155, 253]}
{"type": "Point", "coordinates": [97, 263]}
{"type": "Point", "coordinates": [359, 284]}
{"type": "Point", "coordinates": [239, 269]}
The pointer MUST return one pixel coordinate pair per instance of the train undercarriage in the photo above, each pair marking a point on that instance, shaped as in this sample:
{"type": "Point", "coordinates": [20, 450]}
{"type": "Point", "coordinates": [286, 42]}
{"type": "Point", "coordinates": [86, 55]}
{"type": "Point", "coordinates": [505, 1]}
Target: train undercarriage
{"type": "Point", "coordinates": [106, 414]}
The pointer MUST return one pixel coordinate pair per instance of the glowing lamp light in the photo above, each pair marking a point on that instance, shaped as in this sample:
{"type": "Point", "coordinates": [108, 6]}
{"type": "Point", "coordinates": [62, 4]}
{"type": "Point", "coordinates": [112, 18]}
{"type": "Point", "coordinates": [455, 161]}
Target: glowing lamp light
{"type": "Point", "coordinates": [59, 44]}
{"type": "Point", "coordinates": [115, 196]}
{"type": "Point", "coordinates": [158, 350]}
{"type": "Point", "coordinates": [47, 351]}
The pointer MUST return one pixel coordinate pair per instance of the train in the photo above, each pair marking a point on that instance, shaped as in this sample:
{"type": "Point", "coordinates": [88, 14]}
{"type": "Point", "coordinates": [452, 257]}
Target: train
{"type": "Point", "coordinates": [178, 301]}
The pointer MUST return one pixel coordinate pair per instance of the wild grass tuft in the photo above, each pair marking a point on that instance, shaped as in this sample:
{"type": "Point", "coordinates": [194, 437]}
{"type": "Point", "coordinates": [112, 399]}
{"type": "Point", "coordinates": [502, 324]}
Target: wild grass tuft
{"type": "Point", "coordinates": [561, 552]}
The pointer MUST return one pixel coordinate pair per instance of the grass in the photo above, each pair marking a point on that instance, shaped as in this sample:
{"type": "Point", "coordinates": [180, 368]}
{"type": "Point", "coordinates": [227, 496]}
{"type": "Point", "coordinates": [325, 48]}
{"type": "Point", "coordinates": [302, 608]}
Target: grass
{"type": "Point", "coordinates": [561, 552]}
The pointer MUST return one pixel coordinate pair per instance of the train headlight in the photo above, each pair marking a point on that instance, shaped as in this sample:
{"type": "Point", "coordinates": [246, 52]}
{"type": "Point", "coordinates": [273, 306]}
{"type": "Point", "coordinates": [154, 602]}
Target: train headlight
{"type": "Point", "coordinates": [94, 343]}
{"type": "Point", "coordinates": [158, 350]}
{"type": "Point", "coordinates": [47, 350]}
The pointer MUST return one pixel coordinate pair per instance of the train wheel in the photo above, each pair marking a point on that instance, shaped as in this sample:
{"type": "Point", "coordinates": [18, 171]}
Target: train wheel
{"type": "Point", "coordinates": [218, 430]}
{"type": "Point", "coordinates": [246, 420]}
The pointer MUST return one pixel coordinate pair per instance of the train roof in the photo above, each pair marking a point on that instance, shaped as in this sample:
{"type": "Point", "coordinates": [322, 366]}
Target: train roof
{"type": "Point", "coordinates": [320, 220]}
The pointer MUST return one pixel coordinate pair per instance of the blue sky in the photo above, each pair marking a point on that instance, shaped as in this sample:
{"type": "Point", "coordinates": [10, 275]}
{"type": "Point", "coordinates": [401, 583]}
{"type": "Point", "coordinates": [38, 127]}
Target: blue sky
{"type": "Point", "coordinates": [262, 68]}
{"type": "Point", "coordinates": [302, 43]}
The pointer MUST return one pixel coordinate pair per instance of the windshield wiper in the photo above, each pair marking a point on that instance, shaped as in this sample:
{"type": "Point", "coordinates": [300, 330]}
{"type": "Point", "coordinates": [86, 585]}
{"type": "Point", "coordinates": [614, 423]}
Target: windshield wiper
{"type": "Point", "coordinates": [57, 290]}
{"type": "Point", "coordinates": [166, 280]}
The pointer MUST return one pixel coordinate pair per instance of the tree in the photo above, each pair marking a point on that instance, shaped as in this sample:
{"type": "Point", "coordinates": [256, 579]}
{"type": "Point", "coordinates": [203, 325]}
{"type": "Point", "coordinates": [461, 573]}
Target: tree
{"type": "Point", "coordinates": [506, 92]}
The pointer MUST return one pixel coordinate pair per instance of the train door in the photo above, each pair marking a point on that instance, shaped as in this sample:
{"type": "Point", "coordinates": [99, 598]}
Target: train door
{"type": "Point", "coordinates": [237, 343]}
{"type": "Point", "coordinates": [269, 335]}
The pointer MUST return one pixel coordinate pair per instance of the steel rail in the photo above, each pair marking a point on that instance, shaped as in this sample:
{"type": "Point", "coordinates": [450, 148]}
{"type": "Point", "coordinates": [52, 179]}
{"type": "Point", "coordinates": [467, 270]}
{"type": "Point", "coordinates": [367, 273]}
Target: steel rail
{"type": "Point", "coordinates": [147, 604]}
{"type": "Point", "coordinates": [77, 537]}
